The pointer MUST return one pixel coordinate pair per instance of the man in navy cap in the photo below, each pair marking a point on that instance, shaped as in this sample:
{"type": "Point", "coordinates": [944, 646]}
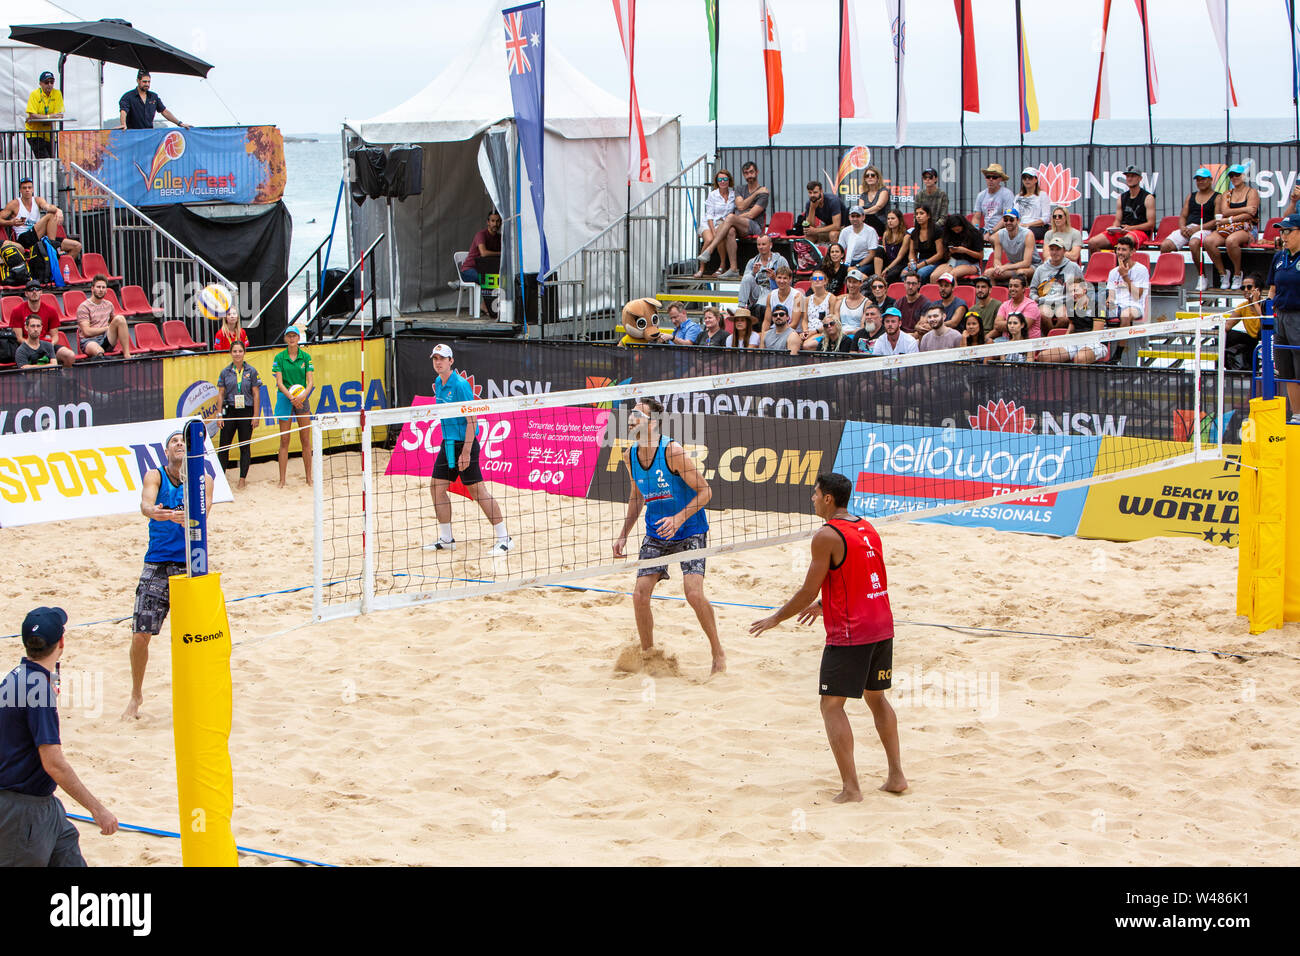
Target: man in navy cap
{"type": "Point", "coordinates": [1284, 291]}
{"type": "Point", "coordinates": [44, 109]}
{"type": "Point", "coordinates": [34, 828]}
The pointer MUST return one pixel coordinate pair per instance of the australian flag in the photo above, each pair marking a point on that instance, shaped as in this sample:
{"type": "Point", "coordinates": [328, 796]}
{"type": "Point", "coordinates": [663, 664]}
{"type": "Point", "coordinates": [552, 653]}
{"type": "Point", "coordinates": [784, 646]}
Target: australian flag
{"type": "Point", "coordinates": [526, 66]}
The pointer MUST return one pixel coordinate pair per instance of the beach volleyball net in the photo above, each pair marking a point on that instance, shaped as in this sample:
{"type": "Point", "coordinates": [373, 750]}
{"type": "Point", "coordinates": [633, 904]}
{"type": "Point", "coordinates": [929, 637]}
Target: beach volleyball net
{"type": "Point", "coordinates": [990, 435]}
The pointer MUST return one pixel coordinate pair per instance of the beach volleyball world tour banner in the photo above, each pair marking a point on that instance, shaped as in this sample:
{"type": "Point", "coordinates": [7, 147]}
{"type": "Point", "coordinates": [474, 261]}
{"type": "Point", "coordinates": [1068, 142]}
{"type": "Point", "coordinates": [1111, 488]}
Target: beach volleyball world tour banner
{"type": "Point", "coordinates": [155, 167]}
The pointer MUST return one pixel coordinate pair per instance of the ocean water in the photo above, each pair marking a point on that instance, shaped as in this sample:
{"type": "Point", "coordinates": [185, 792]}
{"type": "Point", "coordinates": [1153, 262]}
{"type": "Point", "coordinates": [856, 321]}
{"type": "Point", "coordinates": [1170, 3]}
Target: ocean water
{"type": "Point", "coordinates": [315, 169]}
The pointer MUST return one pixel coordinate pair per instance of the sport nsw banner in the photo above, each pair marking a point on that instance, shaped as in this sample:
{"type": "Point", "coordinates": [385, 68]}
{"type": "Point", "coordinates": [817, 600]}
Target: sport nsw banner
{"type": "Point", "coordinates": [900, 468]}
{"type": "Point", "coordinates": [86, 472]}
{"type": "Point", "coordinates": [154, 167]}
{"type": "Point", "coordinates": [547, 449]}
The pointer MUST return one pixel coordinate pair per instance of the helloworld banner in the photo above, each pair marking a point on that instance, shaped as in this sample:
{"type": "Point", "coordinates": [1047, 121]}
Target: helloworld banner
{"type": "Point", "coordinates": [154, 167]}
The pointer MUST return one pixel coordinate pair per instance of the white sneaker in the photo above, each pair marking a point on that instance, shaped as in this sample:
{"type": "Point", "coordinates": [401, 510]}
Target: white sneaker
{"type": "Point", "coordinates": [1236, 281]}
{"type": "Point", "coordinates": [502, 545]}
{"type": "Point", "coordinates": [1294, 419]}
{"type": "Point", "coordinates": [1223, 280]}
{"type": "Point", "coordinates": [441, 545]}
{"type": "Point", "coordinates": [1202, 283]}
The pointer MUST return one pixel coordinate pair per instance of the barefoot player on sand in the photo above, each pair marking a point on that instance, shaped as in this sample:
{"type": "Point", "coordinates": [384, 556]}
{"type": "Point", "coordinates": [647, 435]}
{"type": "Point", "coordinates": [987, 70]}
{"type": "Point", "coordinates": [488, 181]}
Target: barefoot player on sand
{"type": "Point", "coordinates": [848, 567]}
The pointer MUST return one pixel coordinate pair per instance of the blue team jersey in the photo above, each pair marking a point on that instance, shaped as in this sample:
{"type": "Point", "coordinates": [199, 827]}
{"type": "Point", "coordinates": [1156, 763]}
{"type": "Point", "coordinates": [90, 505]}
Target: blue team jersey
{"type": "Point", "coordinates": [455, 391]}
{"type": "Point", "coordinates": [167, 538]}
{"type": "Point", "coordinates": [665, 493]}
{"type": "Point", "coordinates": [1284, 274]}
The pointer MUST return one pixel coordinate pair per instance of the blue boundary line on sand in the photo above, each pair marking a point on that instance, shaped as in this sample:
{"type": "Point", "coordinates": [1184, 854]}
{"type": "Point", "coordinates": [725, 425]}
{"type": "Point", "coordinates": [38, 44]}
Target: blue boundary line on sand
{"type": "Point", "coordinates": [176, 836]}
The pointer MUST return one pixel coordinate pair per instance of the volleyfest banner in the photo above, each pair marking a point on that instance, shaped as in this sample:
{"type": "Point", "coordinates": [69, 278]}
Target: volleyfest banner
{"type": "Point", "coordinates": [94, 393]}
{"type": "Point", "coordinates": [546, 449]}
{"type": "Point", "coordinates": [189, 387]}
{"type": "Point", "coordinates": [86, 472]}
{"type": "Point", "coordinates": [154, 167]}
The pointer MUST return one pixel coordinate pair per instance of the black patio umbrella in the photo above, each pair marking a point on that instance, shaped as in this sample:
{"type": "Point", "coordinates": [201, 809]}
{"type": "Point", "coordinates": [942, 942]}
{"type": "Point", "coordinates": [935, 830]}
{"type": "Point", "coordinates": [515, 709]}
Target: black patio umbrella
{"type": "Point", "coordinates": [113, 41]}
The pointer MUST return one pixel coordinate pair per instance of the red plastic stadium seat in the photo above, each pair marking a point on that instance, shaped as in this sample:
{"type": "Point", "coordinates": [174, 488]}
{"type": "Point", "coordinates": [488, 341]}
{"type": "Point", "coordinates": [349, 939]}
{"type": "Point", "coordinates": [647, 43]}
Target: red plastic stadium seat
{"type": "Point", "coordinates": [781, 224]}
{"type": "Point", "coordinates": [71, 274]}
{"type": "Point", "coordinates": [178, 336]}
{"type": "Point", "coordinates": [1057, 332]}
{"type": "Point", "coordinates": [1167, 225]}
{"type": "Point", "coordinates": [1099, 266]}
{"type": "Point", "coordinates": [47, 298]}
{"type": "Point", "coordinates": [1143, 259]}
{"type": "Point", "coordinates": [1099, 225]}
{"type": "Point", "coordinates": [117, 349]}
{"type": "Point", "coordinates": [93, 263]}
{"type": "Point", "coordinates": [930, 291]}
{"type": "Point", "coordinates": [135, 302]}
{"type": "Point", "coordinates": [70, 340]}
{"type": "Point", "coordinates": [1169, 271]}
{"type": "Point", "coordinates": [72, 300]}
{"type": "Point", "coordinates": [804, 287]}
{"type": "Point", "coordinates": [966, 293]}
{"type": "Point", "coordinates": [148, 339]}
{"type": "Point", "coordinates": [909, 219]}
{"type": "Point", "coordinates": [896, 290]}
{"type": "Point", "coordinates": [8, 304]}
{"type": "Point", "coordinates": [1076, 221]}
{"type": "Point", "coordinates": [999, 292]}
{"type": "Point", "coordinates": [1271, 232]}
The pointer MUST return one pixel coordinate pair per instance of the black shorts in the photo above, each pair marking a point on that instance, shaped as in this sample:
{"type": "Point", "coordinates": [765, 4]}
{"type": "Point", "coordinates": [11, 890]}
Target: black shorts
{"type": "Point", "coordinates": [1287, 332]}
{"type": "Point", "coordinates": [847, 671]}
{"type": "Point", "coordinates": [153, 595]}
{"type": "Point", "coordinates": [101, 340]}
{"type": "Point", "coordinates": [659, 547]}
{"type": "Point", "coordinates": [447, 470]}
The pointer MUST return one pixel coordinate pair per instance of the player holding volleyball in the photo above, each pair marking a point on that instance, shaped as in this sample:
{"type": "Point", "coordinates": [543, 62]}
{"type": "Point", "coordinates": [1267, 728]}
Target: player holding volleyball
{"type": "Point", "coordinates": [674, 493]}
{"type": "Point", "coordinates": [848, 567]}
{"type": "Point", "coordinates": [162, 501]}
{"type": "Point", "coordinates": [458, 458]}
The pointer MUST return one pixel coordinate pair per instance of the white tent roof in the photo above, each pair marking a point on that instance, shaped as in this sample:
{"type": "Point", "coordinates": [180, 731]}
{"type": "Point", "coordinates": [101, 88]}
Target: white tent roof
{"type": "Point", "coordinates": [473, 93]}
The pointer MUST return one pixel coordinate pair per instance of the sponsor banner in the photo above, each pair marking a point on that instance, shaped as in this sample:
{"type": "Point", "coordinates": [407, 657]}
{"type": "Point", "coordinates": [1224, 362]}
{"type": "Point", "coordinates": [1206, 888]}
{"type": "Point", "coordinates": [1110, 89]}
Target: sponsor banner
{"type": "Point", "coordinates": [1192, 501]}
{"type": "Point", "coordinates": [86, 472]}
{"type": "Point", "coordinates": [754, 464]}
{"type": "Point", "coordinates": [1067, 400]}
{"type": "Point", "coordinates": [905, 468]}
{"type": "Point", "coordinates": [189, 388]}
{"type": "Point", "coordinates": [94, 393]}
{"type": "Point", "coordinates": [155, 167]}
{"type": "Point", "coordinates": [548, 449]}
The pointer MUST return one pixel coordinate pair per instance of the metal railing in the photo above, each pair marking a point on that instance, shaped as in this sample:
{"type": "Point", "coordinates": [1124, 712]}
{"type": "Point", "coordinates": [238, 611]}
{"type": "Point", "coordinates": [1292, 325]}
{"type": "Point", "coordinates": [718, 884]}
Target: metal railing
{"type": "Point", "coordinates": [144, 254]}
{"type": "Point", "coordinates": [629, 259]}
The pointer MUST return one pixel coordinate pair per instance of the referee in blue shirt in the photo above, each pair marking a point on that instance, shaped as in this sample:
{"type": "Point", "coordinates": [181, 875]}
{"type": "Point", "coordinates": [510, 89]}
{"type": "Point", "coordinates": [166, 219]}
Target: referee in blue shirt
{"type": "Point", "coordinates": [34, 828]}
{"type": "Point", "coordinates": [458, 458]}
{"type": "Point", "coordinates": [1284, 291]}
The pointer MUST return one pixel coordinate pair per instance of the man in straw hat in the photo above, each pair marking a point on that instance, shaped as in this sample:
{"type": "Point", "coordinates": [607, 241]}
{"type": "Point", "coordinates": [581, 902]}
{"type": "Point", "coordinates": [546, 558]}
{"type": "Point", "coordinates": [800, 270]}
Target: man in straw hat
{"type": "Point", "coordinates": [34, 827]}
{"type": "Point", "coordinates": [993, 199]}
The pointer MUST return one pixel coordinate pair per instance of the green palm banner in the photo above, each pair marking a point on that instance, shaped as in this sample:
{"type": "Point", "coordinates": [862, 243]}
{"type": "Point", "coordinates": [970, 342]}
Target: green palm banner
{"type": "Point", "coordinates": [711, 14]}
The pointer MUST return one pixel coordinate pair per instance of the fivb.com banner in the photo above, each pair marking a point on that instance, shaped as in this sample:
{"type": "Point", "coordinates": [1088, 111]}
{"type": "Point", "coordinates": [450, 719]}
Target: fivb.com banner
{"type": "Point", "coordinates": [86, 472]}
{"type": "Point", "coordinates": [154, 167]}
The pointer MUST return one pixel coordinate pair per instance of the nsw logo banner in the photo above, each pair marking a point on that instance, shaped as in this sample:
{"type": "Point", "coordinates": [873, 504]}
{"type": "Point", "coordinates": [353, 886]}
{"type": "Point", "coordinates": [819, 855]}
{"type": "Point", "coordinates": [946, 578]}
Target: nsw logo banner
{"type": "Point", "coordinates": [899, 468]}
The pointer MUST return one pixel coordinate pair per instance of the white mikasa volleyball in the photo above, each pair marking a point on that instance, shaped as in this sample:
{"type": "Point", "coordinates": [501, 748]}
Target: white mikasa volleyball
{"type": "Point", "coordinates": [215, 301]}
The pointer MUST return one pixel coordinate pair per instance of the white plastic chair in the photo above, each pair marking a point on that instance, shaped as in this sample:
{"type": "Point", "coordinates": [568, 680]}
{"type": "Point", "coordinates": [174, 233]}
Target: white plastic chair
{"type": "Point", "coordinates": [461, 285]}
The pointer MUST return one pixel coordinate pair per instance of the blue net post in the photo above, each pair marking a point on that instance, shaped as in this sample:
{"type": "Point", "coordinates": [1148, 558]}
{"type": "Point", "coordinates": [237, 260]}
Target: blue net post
{"type": "Point", "coordinates": [196, 504]}
{"type": "Point", "coordinates": [1265, 373]}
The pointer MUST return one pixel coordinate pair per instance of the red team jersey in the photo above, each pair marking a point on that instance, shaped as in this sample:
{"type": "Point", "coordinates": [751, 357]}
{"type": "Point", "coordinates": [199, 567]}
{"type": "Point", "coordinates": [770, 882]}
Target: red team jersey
{"type": "Point", "coordinates": [855, 595]}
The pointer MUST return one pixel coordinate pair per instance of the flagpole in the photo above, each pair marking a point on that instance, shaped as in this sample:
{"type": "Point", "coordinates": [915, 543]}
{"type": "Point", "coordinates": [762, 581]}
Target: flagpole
{"type": "Point", "coordinates": [717, 52]}
{"type": "Point", "coordinates": [1020, 60]}
{"type": "Point", "coordinates": [1295, 80]}
{"type": "Point", "coordinates": [1227, 82]}
{"type": "Point", "coordinates": [839, 102]}
{"type": "Point", "coordinates": [627, 216]}
{"type": "Point", "coordinates": [1146, 59]}
{"type": "Point", "coordinates": [961, 100]}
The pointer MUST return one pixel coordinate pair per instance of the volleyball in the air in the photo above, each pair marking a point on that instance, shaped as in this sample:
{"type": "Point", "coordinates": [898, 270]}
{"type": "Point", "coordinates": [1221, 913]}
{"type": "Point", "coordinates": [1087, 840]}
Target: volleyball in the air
{"type": "Point", "coordinates": [215, 301]}
{"type": "Point", "coordinates": [297, 391]}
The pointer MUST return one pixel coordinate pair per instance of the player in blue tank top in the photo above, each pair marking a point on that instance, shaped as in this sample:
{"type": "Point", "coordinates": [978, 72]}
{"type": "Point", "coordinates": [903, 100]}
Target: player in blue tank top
{"type": "Point", "coordinates": [162, 501]}
{"type": "Point", "coordinates": [666, 482]}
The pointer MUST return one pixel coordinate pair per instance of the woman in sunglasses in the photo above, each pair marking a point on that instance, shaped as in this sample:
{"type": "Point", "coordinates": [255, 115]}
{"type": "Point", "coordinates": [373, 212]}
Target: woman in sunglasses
{"type": "Point", "coordinates": [820, 303]}
{"type": "Point", "coordinates": [1059, 227]}
{"type": "Point", "coordinates": [878, 292]}
{"type": "Point", "coordinates": [718, 205]}
{"type": "Point", "coordinates": [835, 269]}
{"type": "Point", "coordinates": [876, 198]}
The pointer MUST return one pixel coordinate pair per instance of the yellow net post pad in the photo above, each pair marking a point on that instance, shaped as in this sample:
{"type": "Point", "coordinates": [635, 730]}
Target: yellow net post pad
{"type": "Point", "coordinates": [1261, 556]}
{"type": "Point", "coordinates": [201, 715]}
{"type": "Point", "coordinates": [1291, 582]}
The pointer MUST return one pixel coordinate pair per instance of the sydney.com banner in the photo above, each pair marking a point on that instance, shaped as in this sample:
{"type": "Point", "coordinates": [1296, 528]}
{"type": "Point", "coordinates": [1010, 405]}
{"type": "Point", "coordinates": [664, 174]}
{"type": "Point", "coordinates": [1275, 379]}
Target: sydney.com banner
{"type": "Point", "coordinates": [154, 167]}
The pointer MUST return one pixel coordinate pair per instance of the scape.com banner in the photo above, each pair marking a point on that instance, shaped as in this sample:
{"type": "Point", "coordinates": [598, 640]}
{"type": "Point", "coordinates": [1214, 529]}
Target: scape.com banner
{"type": "Point", "coordinates": [86, 472]}
{"type": "Point", "coordinates": [155, 167]}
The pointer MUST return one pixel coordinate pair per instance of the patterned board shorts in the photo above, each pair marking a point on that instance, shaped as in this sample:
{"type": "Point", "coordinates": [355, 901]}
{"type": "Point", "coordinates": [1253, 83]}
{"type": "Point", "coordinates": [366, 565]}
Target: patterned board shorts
{"type": "Point", "coordinates": [153, 595]}
{"type": "Point", "coordinates": [658, 548]}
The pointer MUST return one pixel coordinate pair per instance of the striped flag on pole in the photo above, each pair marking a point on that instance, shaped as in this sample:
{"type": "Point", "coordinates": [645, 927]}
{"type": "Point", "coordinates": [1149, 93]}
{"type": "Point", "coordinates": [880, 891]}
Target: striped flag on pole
{"type": "Point", "coordinates": [638, 157]}
{"type": "Point", "coordinates": [898, 32]}
{"type": "Point", "coordinates": [1218, 10]}
{"type": "Point", "coordinates": [853, 84]}
{"type": "Point", "coordinates": [775, 79]}
{"type": "Point", "coordinates": [1152, 80]}
{"type": "Point", "coordinates": [1028, 98]}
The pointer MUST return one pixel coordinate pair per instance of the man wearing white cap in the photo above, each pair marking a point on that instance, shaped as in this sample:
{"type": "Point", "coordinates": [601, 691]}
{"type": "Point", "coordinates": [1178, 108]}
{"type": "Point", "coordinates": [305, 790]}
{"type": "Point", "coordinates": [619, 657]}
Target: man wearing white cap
{"type": "Point", "coordinates": [458, 458]}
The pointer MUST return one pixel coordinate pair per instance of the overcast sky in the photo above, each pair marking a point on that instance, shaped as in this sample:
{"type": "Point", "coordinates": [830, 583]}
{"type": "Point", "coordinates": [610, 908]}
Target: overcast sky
{"type": "Point", "coordinates": [306, 67]}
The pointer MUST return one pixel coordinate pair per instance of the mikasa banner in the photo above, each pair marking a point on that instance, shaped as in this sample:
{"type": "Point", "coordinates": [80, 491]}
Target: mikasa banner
{"type": "Point", "coordinates": [86, 472]}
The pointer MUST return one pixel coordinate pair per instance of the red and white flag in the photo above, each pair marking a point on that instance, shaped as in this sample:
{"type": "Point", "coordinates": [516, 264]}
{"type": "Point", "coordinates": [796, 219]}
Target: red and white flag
{"type": "Point", "coordinates": [1101, 102]}
{"type": "Point", "coordinates": [1218, 10]}
{"type": "Point", "coordinates": [1150, 60]}
{"type": "Point", "coordinates": [970, 79]}
{"type": "Point", "coordinates": [638, 157]}
{"type": "Point", "coordinates": [772, 67]}
{"type": "Point", "coordinates": [853, 85]}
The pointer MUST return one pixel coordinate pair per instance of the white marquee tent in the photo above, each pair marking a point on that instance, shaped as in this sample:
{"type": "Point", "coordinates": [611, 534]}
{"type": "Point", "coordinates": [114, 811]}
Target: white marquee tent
{"type": "Point", "coordinates": [21, 66]}
{"type": "Point", "coordinates": [585, 164]}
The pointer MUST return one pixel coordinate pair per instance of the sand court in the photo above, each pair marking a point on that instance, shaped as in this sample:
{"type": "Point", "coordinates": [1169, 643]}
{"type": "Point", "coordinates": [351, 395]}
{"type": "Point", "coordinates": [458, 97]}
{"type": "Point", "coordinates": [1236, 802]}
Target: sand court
{"type": "Point", "coordinates": [524, 728]}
